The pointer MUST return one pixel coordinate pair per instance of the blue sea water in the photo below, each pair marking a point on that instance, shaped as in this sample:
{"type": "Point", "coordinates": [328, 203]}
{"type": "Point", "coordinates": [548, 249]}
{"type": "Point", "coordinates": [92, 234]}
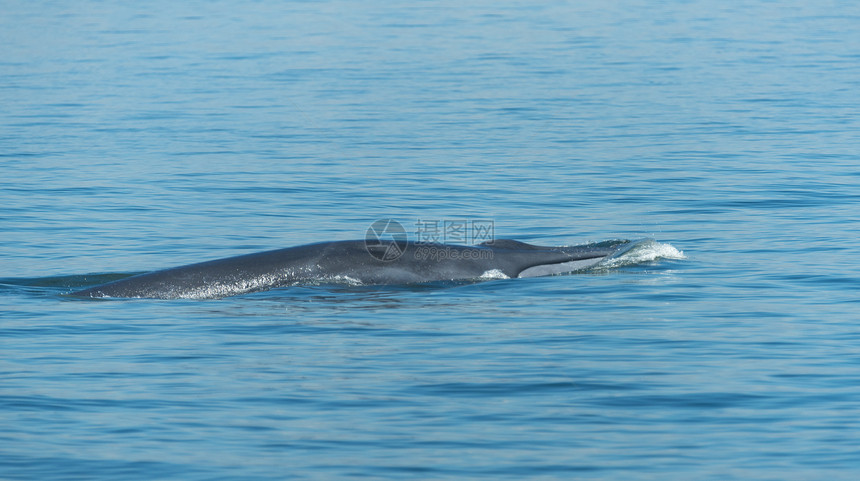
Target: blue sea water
{"type": "Point", "coordinates": [138, 136]}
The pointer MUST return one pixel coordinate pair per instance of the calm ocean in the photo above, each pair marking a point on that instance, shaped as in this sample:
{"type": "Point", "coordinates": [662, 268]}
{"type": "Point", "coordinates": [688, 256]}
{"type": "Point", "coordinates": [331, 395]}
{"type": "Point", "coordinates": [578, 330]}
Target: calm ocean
{"type": "Point", "coordinates": [141, 135]}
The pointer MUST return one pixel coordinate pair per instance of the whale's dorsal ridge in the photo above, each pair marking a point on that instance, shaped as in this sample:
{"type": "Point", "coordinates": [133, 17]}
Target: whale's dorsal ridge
{"type": "Point", "coordinates": [511, 244]}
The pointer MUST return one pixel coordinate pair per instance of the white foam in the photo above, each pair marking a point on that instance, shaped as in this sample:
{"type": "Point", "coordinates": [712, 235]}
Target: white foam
{"type": "Point", "coordinates": [645, 251]}
{"type": "Point", "coordinates": [332, 279]}
{"type": "Point", "coordinates": [344, 279]}
{"type": "Point", "coordinates": [493, 274]}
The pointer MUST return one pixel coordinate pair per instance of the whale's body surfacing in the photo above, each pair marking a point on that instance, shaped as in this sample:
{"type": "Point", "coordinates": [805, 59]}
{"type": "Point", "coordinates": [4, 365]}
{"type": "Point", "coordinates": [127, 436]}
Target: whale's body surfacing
{"type": "Point", "coordinates": [386, 262]}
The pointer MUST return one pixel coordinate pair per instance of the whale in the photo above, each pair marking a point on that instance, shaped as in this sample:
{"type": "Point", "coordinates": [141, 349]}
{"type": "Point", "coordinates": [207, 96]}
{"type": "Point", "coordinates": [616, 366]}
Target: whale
{"type": "Point", "coordinates": [358, 262]}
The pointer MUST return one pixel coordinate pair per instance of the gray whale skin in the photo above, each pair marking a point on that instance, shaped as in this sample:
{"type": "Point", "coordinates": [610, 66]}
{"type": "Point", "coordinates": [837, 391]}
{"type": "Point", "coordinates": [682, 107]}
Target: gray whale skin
{"type": "Point", "coordinates": [356, 262]}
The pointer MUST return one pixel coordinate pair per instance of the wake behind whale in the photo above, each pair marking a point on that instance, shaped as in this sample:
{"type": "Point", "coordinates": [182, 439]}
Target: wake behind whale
{"type": "Point", "coordinates": [360, 263]}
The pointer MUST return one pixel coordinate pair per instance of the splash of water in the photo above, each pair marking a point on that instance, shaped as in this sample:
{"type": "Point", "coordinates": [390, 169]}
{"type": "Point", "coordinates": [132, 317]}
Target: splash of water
{"type": "Point", "coordinates": [644, 251]}
{"type": "Point", "coordinates": [493, 274]}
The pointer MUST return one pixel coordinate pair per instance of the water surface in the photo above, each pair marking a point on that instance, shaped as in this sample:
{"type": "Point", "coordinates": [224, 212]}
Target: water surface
{"type": "Point", "coordinates": [139, 137]}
